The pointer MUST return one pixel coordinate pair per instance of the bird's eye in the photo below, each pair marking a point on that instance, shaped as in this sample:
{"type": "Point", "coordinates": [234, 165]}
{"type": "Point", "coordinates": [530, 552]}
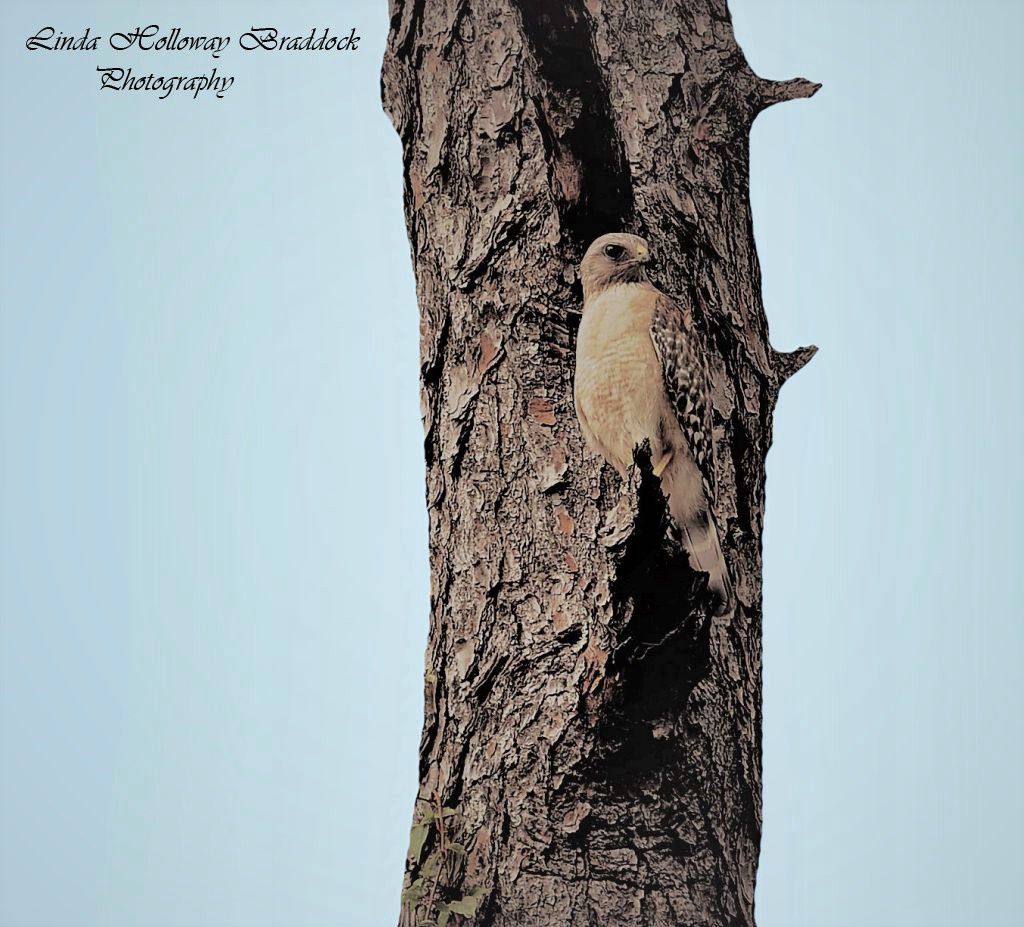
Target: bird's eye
{"type": "Point", "coordinates": [614, 251]}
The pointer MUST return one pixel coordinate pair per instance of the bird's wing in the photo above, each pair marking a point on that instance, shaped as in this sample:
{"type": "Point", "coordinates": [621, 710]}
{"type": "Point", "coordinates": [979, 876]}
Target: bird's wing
{"type": "Point", "coordinates": [686, 383]}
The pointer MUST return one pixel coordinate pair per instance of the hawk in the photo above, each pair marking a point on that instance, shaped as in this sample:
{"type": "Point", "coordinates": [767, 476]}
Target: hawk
{"type": "Point", "coordinates": [640, 376]}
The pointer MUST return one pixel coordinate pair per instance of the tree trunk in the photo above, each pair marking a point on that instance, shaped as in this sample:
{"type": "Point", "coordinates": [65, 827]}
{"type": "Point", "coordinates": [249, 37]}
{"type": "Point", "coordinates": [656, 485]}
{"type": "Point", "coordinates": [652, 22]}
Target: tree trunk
{"type": "Point", "coordinates": [593, 731]}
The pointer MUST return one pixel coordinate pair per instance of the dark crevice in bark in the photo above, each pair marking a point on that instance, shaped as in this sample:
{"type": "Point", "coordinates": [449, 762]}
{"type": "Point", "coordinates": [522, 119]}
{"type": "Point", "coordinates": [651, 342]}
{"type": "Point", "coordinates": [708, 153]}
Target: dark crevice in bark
{"type": "Point", "coordinates": [486, 684]}
{"type": "Point", "coordinates": [741, 450]}
{"type": "Point", "coordinates": [654, 584]}
{"type": "Point", "coordinates": [413, 9]}
{"type": "Point", "coordinates": [577, 123]}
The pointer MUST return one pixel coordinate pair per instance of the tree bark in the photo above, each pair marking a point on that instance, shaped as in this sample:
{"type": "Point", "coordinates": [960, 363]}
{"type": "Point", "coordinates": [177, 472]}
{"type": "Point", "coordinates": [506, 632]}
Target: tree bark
{"type": "Point", "coordinates": [593, 731]}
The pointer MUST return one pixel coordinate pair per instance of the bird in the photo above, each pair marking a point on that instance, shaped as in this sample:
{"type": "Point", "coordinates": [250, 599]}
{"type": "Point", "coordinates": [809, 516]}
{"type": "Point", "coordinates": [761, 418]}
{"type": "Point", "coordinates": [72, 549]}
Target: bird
{"type": "Point", "coordinates": [641, 376]}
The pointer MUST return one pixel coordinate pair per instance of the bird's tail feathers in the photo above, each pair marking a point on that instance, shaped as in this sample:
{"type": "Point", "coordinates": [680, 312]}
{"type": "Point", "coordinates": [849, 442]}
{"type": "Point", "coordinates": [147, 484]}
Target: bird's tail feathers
{"type": "Point", "coordinates": [700, 538]}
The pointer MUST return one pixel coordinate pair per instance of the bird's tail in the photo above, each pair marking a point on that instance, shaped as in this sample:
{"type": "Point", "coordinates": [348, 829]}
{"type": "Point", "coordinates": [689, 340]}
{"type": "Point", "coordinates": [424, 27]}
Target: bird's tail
{"type": "Point", "coordinates": [682, 483]}
{"type": "Point", "coordinates": [700, 538]}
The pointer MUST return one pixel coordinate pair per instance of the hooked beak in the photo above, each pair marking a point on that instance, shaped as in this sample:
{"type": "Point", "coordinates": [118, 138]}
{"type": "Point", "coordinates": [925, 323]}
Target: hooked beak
{"type": "Point", "coordinates": [643, 255]}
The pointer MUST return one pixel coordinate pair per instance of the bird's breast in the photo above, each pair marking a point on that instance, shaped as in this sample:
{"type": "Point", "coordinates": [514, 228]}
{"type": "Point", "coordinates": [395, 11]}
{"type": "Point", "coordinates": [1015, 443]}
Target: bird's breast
{"type": "Point", "coordinates": [618, 375]}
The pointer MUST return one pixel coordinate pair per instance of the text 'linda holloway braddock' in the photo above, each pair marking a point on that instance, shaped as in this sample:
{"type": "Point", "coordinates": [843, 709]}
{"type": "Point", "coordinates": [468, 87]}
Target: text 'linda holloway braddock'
{"type": "Point", "coordinates": [153, 38]}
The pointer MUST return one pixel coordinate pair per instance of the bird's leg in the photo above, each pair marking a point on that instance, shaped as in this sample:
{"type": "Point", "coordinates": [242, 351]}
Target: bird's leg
{"type": "Point", "coordinates": [659, 466]}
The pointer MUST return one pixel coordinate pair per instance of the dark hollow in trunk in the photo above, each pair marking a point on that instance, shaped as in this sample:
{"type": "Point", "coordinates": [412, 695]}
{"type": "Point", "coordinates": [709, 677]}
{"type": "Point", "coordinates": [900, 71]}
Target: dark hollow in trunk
{"type": "Point", "coordinates": [593, 731]}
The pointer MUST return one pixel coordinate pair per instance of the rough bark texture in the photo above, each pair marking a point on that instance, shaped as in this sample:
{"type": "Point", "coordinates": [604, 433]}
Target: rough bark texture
{"type": "Point", "coordinates": [596, 732]}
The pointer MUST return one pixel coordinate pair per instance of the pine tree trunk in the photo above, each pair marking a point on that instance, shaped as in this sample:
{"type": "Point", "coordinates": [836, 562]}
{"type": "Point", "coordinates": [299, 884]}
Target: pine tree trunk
{"type": "Point", "coordinates": [594, 731]}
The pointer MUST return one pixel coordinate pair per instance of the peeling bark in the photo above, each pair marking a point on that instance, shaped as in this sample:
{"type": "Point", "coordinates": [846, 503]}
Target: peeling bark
{"type": "Point", "coordinates": [596, 731]}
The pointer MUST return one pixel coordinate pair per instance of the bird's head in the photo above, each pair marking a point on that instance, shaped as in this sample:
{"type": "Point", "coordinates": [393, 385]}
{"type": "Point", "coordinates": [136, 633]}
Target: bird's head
{"type": "Point", "coordinates": [612, 259]}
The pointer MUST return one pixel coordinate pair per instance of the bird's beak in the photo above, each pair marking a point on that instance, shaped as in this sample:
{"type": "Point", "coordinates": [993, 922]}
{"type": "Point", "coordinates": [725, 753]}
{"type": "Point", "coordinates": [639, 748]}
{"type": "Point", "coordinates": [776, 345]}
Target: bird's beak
{"type": "Point", "coordinates": [643, 255]}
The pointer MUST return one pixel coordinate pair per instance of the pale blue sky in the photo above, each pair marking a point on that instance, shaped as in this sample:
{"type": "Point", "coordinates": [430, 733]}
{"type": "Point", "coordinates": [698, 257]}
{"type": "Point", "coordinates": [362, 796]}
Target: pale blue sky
{"type": "Point", "coordinates": [213, 586]}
